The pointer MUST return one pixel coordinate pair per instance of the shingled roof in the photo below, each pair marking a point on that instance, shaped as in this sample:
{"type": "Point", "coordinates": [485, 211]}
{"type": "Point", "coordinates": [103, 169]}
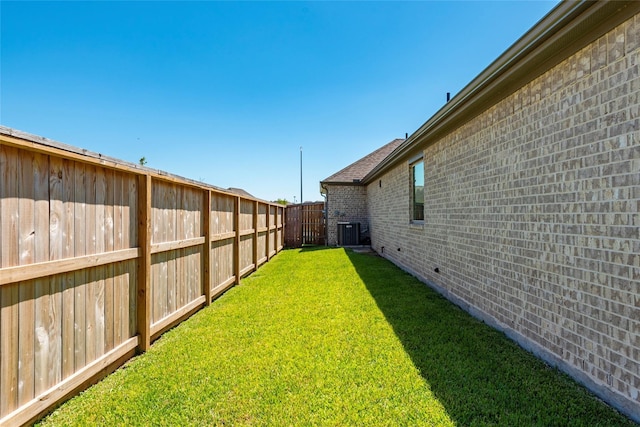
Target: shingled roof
{"type": "Point", "coordinates": [360, 168]}
{"type": "Point", "coordinates": [240, 192]}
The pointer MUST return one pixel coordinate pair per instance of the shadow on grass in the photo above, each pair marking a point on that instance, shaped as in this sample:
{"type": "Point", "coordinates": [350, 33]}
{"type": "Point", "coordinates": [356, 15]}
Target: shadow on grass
{"type": "Point", "coordinates": [478, 374]}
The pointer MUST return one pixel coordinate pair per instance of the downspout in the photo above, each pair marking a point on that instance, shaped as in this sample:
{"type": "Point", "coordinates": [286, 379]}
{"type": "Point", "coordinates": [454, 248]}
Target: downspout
{"type": "Point", "coordinates": [324, 192]}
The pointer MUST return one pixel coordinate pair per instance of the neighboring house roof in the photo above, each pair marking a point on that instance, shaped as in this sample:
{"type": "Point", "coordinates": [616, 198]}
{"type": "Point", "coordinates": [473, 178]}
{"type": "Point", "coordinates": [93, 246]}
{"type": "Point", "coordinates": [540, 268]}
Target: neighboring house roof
{"type": "Point", "coordinates": [359, 169]}
{"type": "Point", "coordinates": [562, 32]}
{"type": "Point", "coordinates": [239, 192]}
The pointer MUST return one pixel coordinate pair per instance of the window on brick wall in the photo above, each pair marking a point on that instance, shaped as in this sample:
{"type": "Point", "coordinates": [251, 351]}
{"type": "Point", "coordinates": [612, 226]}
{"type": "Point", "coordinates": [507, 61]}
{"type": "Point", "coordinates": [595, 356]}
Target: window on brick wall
{"type": "Point", "coordinates": [417, 190]}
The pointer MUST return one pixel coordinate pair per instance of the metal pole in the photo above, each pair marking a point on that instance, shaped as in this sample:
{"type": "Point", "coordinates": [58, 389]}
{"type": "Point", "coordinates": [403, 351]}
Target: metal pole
{"type": "Point", "coordinates": [301, 201]}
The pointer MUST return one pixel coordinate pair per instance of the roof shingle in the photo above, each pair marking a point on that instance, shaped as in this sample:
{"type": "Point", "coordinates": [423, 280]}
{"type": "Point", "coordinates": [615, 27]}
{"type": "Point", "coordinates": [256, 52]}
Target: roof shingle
{"type": "Point", "coordinates": [360, 168]}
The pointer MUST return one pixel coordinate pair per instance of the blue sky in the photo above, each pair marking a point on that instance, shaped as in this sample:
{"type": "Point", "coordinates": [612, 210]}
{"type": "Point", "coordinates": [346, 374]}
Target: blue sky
{"type": "Point", "coordinates": [227, 92]}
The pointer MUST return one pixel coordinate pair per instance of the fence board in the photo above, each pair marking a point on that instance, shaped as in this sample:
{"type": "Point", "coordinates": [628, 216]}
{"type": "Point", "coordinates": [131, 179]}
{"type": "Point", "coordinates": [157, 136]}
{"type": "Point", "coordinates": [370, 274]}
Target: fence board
{"type": "Point", "coordinates": [272, 231]}
{"type": "Point", "coordinates": [56, 239]}
{"type": "Point", "coordinates": [206, 248]}
{"type": "Point", "coordinates": [157, 261]}
{"type": "Point", "coordinates": [120, 302]}
{"type": "Point", "coordinates": [196, 269]}
{"type": "Point", "coordinates": [90, 239]}
{"type": "Point", "coordinates": [133, 239]}
{"type": "Point", "coordinates": [186, 263]}
{"type": "Point", "coordinates": [173, 282]}
{"type": "Point", "coordinates": [165, 230]}
{"type": "Point", "coordinates": [26, 308]}
{"type": "Point", "coordinates": [9, 348]}
{"type": "Point", "coordinates": [68, 344]}
{"type": "Point", "coordinates": [42, 289]}
{"type": "Point", "coordinates": [25, 209]}
{"type": "Point", "coordinates": [100, 272]}
{"type": "Point", "coordinates": [80, 276]}
{"type": "Point", "coordinates": [144, 292]}
{"type": "Point", "coordinates": [182, 264]}
{"type": "Point", "coordinates": [195, 219]}
{"type": "Point", "coordinates": [109, 226]}
{"type": "Point", "coordinates": [26, 360]}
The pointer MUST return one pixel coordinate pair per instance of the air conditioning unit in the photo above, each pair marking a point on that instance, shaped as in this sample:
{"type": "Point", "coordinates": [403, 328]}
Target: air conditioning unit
{"type": "Point", "coordinates": [348, 233]}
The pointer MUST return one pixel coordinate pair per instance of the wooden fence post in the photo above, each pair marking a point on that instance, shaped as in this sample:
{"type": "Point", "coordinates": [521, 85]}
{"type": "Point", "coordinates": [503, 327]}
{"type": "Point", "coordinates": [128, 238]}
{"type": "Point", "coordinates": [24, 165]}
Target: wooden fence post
{"type": "Point", "coordinates": [236, 246]}
{"type": "Point", "coordinates": [206, 254]}
{"type": "Point", "coordinates": [143, 302]}
{"type": "Point", "coordinates": [255, 234]}
{"type": "Point", "coordinates": [268, 221]}
{"type": "Point", "coordinates": [275, 221]}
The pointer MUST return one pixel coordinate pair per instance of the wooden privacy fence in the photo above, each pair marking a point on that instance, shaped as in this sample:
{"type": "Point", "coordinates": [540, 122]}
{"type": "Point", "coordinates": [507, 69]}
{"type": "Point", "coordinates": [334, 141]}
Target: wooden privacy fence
{"type": "Point", "coordinates": [305, 224]}
{"type": "Point", "coordinates": [100, 257]}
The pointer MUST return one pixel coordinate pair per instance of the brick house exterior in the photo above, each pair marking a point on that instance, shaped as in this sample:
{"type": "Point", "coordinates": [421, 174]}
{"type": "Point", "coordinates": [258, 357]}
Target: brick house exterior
{"type": "Point", "coordinates": [346, 197]}
{"type": "Point", "coordinates": [532, 197]}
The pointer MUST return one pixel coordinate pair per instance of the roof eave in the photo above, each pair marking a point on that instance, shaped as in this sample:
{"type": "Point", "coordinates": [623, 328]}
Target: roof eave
{"type": "Point", "coordinates": [355, 182]}
{"type": "Point", "coordinates": [553, 38]}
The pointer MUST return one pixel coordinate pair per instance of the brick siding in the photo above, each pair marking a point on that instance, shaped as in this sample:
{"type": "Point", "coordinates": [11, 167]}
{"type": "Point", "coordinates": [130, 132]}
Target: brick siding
{"type": "Point", "coordinates": [532, 216]}
{"type": "Point", "coordinates": [345, 203]}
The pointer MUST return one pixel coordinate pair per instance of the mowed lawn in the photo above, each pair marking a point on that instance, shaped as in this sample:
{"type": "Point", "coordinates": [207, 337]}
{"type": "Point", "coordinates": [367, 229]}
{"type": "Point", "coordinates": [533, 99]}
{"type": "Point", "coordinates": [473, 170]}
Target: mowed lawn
{"type": "Point", "coordinates": [336, 338]}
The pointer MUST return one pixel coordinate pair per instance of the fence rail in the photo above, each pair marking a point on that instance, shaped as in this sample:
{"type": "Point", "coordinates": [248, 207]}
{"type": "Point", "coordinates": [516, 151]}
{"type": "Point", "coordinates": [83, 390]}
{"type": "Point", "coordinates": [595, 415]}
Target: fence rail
{"type": "Point", "coordinates": [99, 257]}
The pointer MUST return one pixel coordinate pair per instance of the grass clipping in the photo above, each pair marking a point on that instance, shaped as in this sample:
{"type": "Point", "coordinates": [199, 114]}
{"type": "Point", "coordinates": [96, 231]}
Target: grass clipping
{"type": "Point", "coordinates": [329, 337]}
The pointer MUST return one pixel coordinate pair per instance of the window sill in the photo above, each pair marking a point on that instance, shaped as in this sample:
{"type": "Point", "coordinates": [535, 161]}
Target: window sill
{"type": "Point", "coordinates": [416, 224]}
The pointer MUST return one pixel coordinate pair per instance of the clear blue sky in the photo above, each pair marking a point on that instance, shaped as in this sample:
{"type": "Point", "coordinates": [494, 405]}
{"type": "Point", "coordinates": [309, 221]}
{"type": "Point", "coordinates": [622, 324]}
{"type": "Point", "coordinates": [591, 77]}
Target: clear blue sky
{"type": "Point", "coordinates": [227, 92]}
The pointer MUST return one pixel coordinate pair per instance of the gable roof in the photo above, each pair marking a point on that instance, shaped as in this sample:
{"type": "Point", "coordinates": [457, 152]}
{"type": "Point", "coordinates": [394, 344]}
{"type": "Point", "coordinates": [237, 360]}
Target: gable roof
{"type": "Point", "coordinates": [239, 192]}
{"type": "Point", "coordinates": [360, 168]}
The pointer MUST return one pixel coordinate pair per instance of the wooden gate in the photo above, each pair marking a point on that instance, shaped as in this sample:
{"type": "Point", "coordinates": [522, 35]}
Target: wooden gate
{"type": "Point", "coordinates": [304, 224]}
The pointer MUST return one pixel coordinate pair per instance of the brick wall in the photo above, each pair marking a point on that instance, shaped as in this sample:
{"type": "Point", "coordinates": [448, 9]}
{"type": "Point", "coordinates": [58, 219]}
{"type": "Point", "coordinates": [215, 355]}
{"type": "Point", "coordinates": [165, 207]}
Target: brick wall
{"type": "Point", "coordinates": [532, 216]}
{"type": "Point", "coordinates": [345, 203]}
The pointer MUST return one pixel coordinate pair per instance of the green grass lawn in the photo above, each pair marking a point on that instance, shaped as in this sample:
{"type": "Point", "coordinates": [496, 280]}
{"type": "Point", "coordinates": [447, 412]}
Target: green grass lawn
{"type": "Point", "coordinates": [328, 337]}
